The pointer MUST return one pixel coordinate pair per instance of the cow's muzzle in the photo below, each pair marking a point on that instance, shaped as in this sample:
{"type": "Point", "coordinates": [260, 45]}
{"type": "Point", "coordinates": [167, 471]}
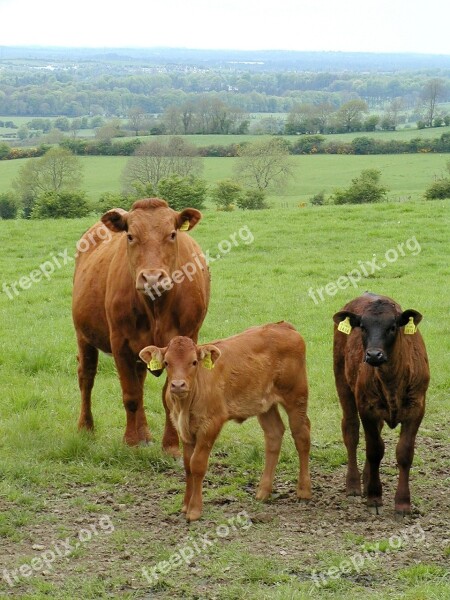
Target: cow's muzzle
{"type": "Point", "coordinates": [178, 387]}
{"type": "Point", "coordinates": [153, 282]}
{"type": "Point", "coordinates": [375, 357]}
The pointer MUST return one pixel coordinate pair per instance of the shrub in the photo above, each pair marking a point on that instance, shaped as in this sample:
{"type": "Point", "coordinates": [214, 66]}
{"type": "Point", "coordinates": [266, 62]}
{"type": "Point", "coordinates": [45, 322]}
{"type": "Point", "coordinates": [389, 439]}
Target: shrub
{"type": "Point", "coordinates": [8, 206]}
{"type": "Point", "coordinates": [182, 192]}
{"type": "Point", "coordinates": [364, 189]}
{"type": "Point", "coordinates": [252, 200]}
{"type": "Point", "coordinates": [318, 199]}
{"type": "Point", "coordinates": [109, 200]}
{"type": "Point", "coordinates": [439, 189]}
{"type": "Point", "coordinates": [226, 194]}
{"type": "Point", "coordinates": [60, 205]}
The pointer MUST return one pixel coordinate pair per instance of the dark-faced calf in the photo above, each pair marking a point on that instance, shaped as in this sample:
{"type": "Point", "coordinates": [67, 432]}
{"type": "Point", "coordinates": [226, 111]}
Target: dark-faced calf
{"type": "Point", "coordinates": [382, 374]}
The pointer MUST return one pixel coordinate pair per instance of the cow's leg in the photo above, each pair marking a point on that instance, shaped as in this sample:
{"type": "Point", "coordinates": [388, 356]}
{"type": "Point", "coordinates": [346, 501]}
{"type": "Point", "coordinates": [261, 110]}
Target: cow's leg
{"type": "Point", "coordinates": [132, 382]}
{"type": "Point", "coordinates": [188, 450]}
{"type": "Point", "coordinates": [300, 427]}
{"type": "Point", "coordinates": [199, 464]}
{"type": "Point", "coordinates": [374, 454]}
{"type": "Point", "coordinates": [273, 428]}
{"type": "Point", "coordinates": [350, 435]}
{"type": "Point", "coordinates": [405, 455]}
{"type": "Point", "coordinates": [366, 471]}
{"type": "Point", "coordinates": [170, 441]}
{"type": "Point", "coordinates": [87, 369]}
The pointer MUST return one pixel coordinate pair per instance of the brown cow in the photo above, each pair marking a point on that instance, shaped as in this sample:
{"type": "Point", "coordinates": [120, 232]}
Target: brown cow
{"type": "Point", "coordinates": [382, 375]}
{"type": "Point", "coordinates": [145, 283]}
{"type": "Point", "coordinates": [254, 371]}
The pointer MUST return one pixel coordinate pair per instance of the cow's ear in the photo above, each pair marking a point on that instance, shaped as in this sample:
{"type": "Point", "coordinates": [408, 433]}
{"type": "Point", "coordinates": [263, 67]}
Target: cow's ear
{"type": "Point", "coordinates": [116, 219]}
{"type": "Point", "coordinates": [355, 320]}
{"type": "Point", "coordinates": [406, 315]}
{"type": "Point", "coordinates": [208, 354]}
{"type": "Point", "coordinates": [188, 218]}
{"type": "Point", "coordinates": [154, 359]}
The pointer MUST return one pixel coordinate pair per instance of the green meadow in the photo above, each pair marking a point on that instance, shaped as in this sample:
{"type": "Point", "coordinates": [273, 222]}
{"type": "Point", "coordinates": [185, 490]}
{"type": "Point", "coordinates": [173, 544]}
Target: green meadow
{"type": "Point", "coordinates": [56, 483]}
{"type": "Point", "coordinates": [407, 175]}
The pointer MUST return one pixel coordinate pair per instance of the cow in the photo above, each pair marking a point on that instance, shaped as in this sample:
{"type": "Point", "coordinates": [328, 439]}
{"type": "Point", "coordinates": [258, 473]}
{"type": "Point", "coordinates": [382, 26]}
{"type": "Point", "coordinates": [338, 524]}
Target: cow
{"type": "Point", "coordinates": [143, 283]}
{"type": "Point", "coordinates": [253, 372]}
{"type": "Point", "coordinates": [382, 374]}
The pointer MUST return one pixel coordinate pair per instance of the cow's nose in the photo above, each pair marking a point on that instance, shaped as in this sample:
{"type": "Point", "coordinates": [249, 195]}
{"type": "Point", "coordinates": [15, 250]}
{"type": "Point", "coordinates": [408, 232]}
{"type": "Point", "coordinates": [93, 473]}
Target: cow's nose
{"type": "Point", "coordinates": [155, 281]}
{"type": "Point", "coordinates": [178, 386]}
{"type": "Point", "coordinates": [375, 357]}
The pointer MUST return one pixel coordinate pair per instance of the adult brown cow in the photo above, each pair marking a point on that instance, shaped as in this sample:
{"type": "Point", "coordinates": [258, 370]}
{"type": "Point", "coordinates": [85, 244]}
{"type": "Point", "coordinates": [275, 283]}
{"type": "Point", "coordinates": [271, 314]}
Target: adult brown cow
{"type": "Point", "coordinates": [145, 283]}
{"type": "Point", "coordinates": [382, 374]}
{"type": "Point", "coordinates": [254, 372]}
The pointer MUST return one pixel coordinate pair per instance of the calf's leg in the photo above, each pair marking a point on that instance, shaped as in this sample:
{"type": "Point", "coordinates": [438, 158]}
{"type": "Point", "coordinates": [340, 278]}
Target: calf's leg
{"type": "Point", "coordinates": [273, 428]}
{"type": "Point", "coordinates": [170, 441]}
{"type": "Point", "coordinates": [405, 455]}
{"type": "Point", "coordinates": [374, 454]}
{"type": "Point", "coordinates": [87, 369]}
{"type": "Point", "coordinates": [300, 427]}
{"type": "Point", "coordinates": [188, 450]}
{"type": "Point", "coordinates": [350, 435]}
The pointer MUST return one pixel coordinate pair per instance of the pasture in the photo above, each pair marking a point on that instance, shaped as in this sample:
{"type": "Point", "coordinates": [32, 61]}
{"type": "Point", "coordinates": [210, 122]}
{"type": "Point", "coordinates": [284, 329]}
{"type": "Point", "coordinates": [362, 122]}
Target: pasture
{"type": "Point", "coordinates": [106, 517]}
{"type": "Point", "coordinates": [406, 175]}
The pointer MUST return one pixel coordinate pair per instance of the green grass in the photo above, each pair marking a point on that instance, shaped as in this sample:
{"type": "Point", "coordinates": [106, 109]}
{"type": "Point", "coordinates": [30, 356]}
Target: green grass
{"type": "Point", "coordinates": [43, 457]}
{"type": "Point", "coordinates": [407, 175]}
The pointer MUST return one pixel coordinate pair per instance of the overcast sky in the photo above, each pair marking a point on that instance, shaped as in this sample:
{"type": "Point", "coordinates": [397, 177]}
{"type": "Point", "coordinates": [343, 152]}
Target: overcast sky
{"type": "Point", "coordinates": [421, 26]}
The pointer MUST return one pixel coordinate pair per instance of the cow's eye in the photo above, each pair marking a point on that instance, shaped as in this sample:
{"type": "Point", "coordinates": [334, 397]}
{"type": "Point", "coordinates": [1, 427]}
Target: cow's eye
{"type": "Point", "coordinates": [392, 329]}
{"type": "Point", "coordinates": [130, 237]}
{"type": "Point", "coordinates": [173, 235]}
{"type": "Point", "coordinates": [195, 363]}
{"type": "Point", "coordinates": [166, 364]}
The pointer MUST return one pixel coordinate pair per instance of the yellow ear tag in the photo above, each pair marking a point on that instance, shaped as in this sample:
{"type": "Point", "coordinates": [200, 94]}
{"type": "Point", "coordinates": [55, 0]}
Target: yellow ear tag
{"type": "Point", "coordinates": [345, 326]}
{"type": "Point", "coordinates": [207, 362]}
{"type": "Point", "coordinates": [155, 365]}
{"type": "Point", "coordinates": [185, 226]}
{"type": "Point", "coordinates": [410, 328]}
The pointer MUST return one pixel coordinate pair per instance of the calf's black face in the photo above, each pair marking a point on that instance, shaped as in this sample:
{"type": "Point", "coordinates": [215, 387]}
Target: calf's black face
{"type": "Point", "coordinates": [380, 325]}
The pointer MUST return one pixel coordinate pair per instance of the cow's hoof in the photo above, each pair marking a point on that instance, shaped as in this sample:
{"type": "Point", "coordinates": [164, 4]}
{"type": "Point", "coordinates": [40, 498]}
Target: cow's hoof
{"type": "Point", "coordinates": [375, 510]}
{"type": "Point", "coordinates": [193, 515]}
{"type": "Point", "coordinates": [304, 495]}
{"type": "Point", "coordinates": [263, 495]}
{"type": "Point", "coordinates": [402, 510]}
{"type": "Point", "coordinates": [353, 492]}
{"type": "Point", "coordinates": [145, 443]}
{"type": "Point", "coordinates": [173, 451]}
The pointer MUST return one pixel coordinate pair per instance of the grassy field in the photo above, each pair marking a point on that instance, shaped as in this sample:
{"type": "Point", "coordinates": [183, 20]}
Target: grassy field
{"type": "Point", "coordinates": [406, 175]}
{"type": "Point", "coordinates": [118, 508]}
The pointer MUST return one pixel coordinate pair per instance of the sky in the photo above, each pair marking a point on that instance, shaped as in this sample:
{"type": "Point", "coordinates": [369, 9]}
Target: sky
{"type": "Point", "coordinates": [419, 26]}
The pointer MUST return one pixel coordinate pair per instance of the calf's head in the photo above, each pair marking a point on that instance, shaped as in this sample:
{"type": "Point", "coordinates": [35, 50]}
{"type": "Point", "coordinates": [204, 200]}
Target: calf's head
{"type": "Point", "coordinates": [380, 325]}
{"type": "Point", "coordinates": [181, 359]}
{"type": "Point", "coordinates": [152, 230]}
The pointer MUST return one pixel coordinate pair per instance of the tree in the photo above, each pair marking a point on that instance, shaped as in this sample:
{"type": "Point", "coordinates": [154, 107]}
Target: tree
{"type": "Point", "coordinates": [434, 89]}
{"type": "Point", "coordinates": [8, 206]}
{"type": "Point", "coordinates": [181, 192]}
{"type": "Point", "coordinates": [56, 171]}
{"type": "Point", "coordinates": [365, 188]}
{"type": "Point", "coordinates": [349, 116]}
{"type": "Point", "coordinates": [136, 118]}
{"type": "Point", "coordinates": [159, 159]}
{"type": "Point", "coordinates": [263, 164]}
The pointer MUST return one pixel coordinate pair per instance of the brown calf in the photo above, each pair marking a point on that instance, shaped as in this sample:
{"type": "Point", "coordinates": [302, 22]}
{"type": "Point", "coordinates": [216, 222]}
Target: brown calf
{"type": "Point", "coordinates": [253, 372]}
{"type": "Point", "coordinates": [381, 373]}
{"type": "Point", "coordinates": [144, 283]}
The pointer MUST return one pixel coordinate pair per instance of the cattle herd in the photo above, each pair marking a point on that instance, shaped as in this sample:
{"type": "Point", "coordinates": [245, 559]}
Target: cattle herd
{"type": "Point", "coordinates": [135, 298]}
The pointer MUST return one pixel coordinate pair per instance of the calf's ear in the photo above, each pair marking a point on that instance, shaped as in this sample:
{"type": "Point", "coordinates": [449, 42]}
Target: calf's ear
{"type": "Point", "coordinates": [115, 219]}
{"type": "Point", "coordinates": [188, 218]}
{"type": "Point", "coordinates": [154, 359]}
{"type": "Point", "coordinates": [208, 354]}
{"type": "Point", "coordinates": [355, 320]}
{"type": "Point", "coordinates": [403, 319]}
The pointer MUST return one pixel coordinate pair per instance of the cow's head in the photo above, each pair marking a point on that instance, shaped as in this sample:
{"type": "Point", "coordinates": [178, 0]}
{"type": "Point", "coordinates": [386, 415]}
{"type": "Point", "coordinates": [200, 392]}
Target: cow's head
{"type": "Point", "coordinates": [152, 229]}
{"type": "Point", "coordinates": [181, 358]}
{"type": "Point", "coordinates": [379, 324]}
